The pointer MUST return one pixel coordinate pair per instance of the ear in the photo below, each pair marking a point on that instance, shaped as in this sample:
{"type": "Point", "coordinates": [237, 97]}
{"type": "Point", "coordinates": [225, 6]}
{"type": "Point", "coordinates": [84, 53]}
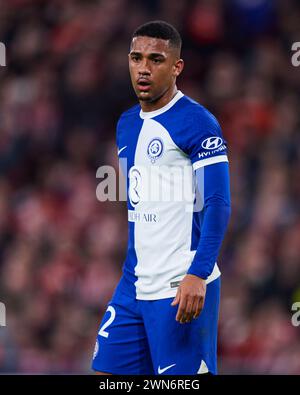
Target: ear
{"type": "Point", "coordinates": [178, 67]}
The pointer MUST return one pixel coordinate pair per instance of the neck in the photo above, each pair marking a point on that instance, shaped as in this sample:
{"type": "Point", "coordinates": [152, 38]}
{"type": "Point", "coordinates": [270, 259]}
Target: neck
{"type": "Point", "coordinates": [163, 100]}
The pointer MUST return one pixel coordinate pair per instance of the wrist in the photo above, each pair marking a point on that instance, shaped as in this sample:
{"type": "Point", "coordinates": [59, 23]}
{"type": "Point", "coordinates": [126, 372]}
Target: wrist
{"type": "Point", "coordinates": [198, 273]}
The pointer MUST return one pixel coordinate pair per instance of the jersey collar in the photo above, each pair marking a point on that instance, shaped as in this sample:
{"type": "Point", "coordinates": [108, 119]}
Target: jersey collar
{"type": "Point", "coordinates": [151, 114]}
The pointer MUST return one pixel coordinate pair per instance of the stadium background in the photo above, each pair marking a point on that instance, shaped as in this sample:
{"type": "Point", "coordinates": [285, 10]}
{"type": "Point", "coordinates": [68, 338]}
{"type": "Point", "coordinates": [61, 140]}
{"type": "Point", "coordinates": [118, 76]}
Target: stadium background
{"type": "Point", "coordinates": [64, 86]}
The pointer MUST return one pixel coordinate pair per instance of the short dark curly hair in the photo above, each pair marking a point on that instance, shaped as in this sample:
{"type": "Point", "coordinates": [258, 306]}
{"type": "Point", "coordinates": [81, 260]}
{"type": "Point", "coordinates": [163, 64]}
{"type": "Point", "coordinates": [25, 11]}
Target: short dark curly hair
{"type": "Point", "coordinates": [160, 29]}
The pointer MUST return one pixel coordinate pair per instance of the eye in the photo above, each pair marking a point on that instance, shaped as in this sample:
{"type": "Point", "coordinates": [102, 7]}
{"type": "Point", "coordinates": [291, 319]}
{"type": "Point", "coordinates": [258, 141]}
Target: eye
{"type": "Point", "coordinates": [156, 61]}
{"type": "Point", "coordinates": [134, 58]}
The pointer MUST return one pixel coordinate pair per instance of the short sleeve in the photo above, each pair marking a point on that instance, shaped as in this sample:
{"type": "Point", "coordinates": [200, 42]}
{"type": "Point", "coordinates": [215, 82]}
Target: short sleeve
{"type": "Point", "coordinates": [204, 142]}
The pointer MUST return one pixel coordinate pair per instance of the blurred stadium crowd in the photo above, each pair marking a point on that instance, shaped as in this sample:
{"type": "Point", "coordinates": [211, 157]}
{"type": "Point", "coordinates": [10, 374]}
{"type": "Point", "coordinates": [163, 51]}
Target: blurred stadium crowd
{"type": "Point", "coordinates": [61, 251]}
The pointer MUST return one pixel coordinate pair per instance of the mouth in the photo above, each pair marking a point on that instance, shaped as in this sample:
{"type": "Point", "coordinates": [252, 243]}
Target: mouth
{"type": "Point", "coordinates": [143, 85]}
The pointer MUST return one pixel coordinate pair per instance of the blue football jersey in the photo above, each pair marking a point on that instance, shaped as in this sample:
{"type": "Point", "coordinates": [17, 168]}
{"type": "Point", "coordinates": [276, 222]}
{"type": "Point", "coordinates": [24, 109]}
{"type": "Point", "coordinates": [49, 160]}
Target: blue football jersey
{"type": "Point", "coordinates": [159, 151]}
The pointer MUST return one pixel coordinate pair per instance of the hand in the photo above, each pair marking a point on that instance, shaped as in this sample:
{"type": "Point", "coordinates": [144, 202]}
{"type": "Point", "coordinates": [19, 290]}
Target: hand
{"type": "Point", "coordinates": [190, 297]}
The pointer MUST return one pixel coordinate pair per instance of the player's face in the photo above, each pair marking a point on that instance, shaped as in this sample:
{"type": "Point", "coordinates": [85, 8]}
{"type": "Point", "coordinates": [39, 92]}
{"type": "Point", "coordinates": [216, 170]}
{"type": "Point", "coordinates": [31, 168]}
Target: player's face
{"type": "Point", "coordinates": [153, 66]}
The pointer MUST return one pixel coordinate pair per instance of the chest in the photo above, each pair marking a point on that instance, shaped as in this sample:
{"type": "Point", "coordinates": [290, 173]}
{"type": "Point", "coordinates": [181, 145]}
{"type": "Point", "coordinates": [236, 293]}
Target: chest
{"type": "Point", "coordinates": [151, 145]}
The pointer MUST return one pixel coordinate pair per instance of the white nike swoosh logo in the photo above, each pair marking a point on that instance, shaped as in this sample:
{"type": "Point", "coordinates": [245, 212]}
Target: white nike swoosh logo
{"type": "Point", "coordinates": [160, 371]}
{"type": "Point", "coordinates": [120, 150]}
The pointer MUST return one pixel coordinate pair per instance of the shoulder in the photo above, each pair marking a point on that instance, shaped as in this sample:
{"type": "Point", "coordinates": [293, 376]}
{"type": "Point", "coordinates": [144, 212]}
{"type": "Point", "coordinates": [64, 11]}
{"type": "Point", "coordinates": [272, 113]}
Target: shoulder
{"type": "Point", "coordinates": [127, 115]}
{"type": "Point", "coordinates": [128, 122]}
{"type": "Point", "coordinates": [189, 123]}
{"type": "Point", "coordinates": [188, 116]}
{"type": "Point", "coordinates": [198, 117]}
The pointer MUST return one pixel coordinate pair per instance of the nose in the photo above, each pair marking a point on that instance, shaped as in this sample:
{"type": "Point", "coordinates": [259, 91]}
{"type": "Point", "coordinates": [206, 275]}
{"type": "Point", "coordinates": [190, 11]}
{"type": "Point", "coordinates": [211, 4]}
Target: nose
{"type": "Point", "coordinates": [144, 68]}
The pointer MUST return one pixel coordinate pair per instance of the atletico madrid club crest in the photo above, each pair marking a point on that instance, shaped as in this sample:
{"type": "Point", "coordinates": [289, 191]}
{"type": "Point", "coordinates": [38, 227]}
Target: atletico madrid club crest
{"type": "Point", "coordinates": [155, 149]}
